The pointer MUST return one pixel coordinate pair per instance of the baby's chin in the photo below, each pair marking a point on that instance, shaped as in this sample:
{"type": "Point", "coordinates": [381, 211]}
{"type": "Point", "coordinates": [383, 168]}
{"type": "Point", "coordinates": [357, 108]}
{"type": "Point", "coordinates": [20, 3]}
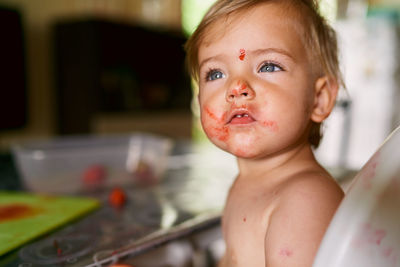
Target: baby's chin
{"type": "Point", "coordinates": [240, 151]}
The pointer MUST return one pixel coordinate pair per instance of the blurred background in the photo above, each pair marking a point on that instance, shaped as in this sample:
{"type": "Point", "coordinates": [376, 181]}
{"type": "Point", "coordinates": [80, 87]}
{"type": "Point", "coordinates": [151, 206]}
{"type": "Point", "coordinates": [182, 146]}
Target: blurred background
{"type": "Point", "coordinates": [90, 68]}
{"type": "Point", "coordinates": [73, 67]}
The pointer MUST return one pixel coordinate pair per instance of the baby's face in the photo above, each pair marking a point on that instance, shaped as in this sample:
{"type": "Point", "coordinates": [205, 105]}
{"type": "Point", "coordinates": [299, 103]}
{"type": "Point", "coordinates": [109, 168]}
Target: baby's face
{"type": "Point", "coordinates": [256, 83]}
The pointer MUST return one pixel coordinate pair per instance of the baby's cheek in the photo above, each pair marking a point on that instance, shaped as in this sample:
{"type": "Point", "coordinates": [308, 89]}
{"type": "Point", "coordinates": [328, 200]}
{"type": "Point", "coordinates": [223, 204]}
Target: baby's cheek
{"type": "Point", "coordinates": [213, 122]}
{"type": "Point", "coordinates": [215, 131]}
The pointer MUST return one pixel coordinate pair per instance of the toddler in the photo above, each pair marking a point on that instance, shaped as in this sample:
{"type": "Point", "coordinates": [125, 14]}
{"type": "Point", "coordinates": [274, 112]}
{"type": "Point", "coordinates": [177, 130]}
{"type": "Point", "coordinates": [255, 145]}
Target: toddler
{"type": "Point", "coordinates": [268, 76]}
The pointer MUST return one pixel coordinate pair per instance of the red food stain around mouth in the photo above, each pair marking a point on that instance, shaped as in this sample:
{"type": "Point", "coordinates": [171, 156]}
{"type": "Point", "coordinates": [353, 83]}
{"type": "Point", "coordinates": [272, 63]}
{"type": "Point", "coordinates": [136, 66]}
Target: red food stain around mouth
{"type": "Point", "coordinates": [16, 211]}
{"type": "Point", "coordinates": [243, 87]}
{"type": "Point", "coordinates": [217, 127]}
{"type": "Point", "coordinates": [221, 133]}
{"type": "Point", "coordinates": [242, 54]}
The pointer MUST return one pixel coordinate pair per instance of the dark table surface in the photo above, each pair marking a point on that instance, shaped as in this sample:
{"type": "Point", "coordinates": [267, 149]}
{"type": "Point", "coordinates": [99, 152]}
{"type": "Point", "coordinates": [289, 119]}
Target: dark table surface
{"type": "Point", "coordinates": [178, 189]}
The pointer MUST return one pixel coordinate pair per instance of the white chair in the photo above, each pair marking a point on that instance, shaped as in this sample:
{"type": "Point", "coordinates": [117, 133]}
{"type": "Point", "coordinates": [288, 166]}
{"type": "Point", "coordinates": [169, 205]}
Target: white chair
{"type": "Point", "coordinates": [365, 231]}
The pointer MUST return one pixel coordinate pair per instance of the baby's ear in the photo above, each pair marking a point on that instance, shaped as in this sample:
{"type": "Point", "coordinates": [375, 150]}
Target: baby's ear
{"type": "Point", "coordinates": [326, 89]}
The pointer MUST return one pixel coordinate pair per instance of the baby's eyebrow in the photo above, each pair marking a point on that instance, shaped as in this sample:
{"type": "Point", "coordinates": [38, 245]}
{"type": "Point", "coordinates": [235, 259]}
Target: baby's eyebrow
{"type": "Point", "coordinates": [256, 52]}
{"type": "Point", "coordinates": [213, 58]}
{"type": "Point", "coordinates": [271, 50]}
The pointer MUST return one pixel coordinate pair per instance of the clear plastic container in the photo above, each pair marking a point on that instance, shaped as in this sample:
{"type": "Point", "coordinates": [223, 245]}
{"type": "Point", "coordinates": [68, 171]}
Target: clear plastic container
{"type": "Point", "coordinates": [73, 164]}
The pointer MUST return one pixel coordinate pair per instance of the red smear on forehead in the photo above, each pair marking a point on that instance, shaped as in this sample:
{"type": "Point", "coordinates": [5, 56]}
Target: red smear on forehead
{"type": "Point", "coordinates": [242, 54]}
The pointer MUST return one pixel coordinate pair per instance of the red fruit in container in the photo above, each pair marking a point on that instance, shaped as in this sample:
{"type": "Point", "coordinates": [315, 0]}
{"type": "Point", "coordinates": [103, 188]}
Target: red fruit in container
{"type": "Point", "coordinates": [94, 176]}
{"type": "Point", "coordinates": [144, 174]}
{"type": "Point", "coordinates": [117, 197]}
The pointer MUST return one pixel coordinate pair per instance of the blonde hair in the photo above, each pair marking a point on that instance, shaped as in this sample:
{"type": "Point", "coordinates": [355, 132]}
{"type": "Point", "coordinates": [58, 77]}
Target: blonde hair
{"type": "Point", "coordinates": [318, 36]}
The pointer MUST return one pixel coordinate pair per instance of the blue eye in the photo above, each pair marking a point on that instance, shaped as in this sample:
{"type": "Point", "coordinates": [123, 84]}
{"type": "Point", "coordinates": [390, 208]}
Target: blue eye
{"type": "Point", "coordinates": [214, 75]}
{"type": "Point", "coordinates": [270, 67]}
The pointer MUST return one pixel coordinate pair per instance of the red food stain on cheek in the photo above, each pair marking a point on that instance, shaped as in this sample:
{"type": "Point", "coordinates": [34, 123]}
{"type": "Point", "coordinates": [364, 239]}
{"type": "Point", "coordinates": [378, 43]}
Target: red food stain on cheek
{"type": "Point", "coordinates": [16, 211]}
{"type": "Point", "coordinates": [220, 133]}
{"type": "Point", "coordinates": [285, 252]}
{"type": "Point", "coordinates": [211, 114]}
{"type": "Point", "coordinates": [223, 134]}
{"type": "Point", "coordinates": [242, 54]}
{"type": "Point", "coordinates": [215, 127]}
{"type": "Point", "coordinates": [272, 125]}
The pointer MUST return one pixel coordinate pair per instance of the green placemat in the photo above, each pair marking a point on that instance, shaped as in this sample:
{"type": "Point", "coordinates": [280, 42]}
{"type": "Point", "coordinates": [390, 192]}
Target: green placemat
{"type": "Point", "coordinates": [24, 217]}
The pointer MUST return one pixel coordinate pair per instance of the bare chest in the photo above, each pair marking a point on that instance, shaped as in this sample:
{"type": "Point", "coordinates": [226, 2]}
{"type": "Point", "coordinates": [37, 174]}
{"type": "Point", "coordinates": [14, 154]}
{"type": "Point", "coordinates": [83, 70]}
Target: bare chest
{"type": "Point", "coordinates": [245, 223]}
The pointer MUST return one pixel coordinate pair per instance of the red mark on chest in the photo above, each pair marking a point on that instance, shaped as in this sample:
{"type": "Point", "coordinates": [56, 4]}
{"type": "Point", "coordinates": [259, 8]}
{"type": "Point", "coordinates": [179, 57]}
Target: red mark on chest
{"type": "Point", "coordinates": [242, 54]}
{"type": "Point", "coordinates": [285, 252]}
{"type": "Point", "coordinates": [244, 219]}
{"type": "Point", "coordinates": [16, 211]}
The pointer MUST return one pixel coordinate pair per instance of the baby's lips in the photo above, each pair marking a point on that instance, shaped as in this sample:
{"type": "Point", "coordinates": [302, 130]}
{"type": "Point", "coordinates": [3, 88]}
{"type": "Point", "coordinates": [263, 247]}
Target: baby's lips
{"type": "Point", "coordinates": [242, 119]}
{"type": "Point", "coordinates": [241, 114]}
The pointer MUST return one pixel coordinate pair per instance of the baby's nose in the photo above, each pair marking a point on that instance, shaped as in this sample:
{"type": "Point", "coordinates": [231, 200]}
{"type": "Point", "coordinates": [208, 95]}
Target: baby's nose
{"type": "Point", "coordinates": [239, 90]}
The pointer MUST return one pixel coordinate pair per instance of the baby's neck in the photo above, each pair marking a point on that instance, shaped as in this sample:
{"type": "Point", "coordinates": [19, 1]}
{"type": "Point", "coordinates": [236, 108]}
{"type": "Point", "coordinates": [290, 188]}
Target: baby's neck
{"type": "Point", "coordinates": [291, 161]}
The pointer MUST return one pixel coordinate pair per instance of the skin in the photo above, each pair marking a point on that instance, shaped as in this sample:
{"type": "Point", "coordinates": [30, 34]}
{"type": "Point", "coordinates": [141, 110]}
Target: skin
{"type": "Point", "coordinates": [282, 201]}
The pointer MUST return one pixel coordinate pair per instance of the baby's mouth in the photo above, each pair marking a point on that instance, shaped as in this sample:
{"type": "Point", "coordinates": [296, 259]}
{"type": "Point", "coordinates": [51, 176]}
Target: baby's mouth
{"type": "Point", "coordinates": [241, 118]}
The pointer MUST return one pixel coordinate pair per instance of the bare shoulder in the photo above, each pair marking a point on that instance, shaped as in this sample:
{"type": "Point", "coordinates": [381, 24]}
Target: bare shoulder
{"type": "Point", "coordinates": [306, 205]}
{"type": "Point", "coordinates": [307, 187]}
